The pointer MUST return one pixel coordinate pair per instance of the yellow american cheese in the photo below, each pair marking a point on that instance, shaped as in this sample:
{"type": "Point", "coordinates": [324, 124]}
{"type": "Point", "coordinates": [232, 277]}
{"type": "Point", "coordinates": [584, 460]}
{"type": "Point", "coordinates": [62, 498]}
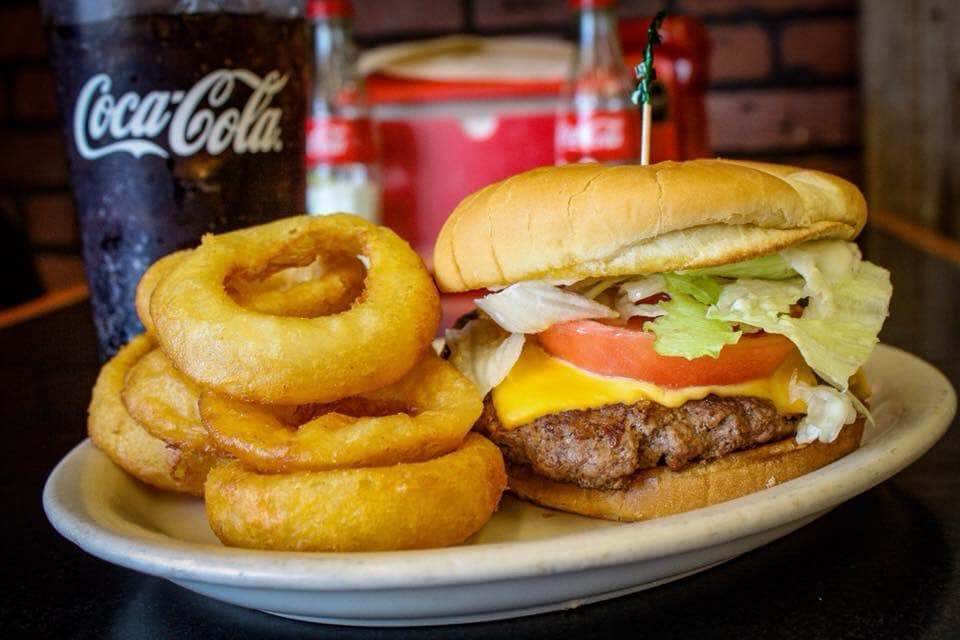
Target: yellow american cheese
{"type": "Point", "coordinates": [540, 384]}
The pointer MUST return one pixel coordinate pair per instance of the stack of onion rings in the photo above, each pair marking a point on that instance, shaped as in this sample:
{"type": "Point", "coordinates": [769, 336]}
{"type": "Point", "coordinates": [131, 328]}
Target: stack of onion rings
{"type": "Point", "coordinates": [289, 365]}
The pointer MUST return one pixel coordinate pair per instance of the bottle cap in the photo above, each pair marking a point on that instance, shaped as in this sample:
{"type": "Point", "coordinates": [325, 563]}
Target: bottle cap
{"type": "Point", "coordinates": [329, 9]}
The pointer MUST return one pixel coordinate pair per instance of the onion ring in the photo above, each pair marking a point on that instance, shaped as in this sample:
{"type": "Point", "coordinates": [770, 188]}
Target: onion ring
{"type": "Point", "coordinates": [164, 402]}
{"type": "Point", "coordinates": [148, 283]}
{"type": "Point", "coordinates": [405, 506]}
{"type": "Point", "coordinates": [288, 360]}
{"type": "Point", "coordinates": [128, 444]}
{"type": "Point", "coordinates": [304, 292]}
{"type": "Point", "coordinates": [313, 290]}
{"type": "Point", "coordinates": [366, 430]}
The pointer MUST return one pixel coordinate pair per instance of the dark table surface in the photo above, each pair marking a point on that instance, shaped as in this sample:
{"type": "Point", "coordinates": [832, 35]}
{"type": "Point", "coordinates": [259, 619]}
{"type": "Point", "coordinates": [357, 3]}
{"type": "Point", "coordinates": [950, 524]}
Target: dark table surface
{"type": "Point", "coordinates": [883, 565]}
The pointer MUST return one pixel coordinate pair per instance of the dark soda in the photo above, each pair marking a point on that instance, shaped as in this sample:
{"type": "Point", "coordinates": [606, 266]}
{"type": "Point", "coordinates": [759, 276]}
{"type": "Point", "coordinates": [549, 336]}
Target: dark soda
{"type": "Point", "coordinates": [176, 125]}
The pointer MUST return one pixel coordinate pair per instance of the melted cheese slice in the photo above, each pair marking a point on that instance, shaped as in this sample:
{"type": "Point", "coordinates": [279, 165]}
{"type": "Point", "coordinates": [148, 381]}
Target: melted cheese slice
{"type": "Point", "coordinates": [540, 384]}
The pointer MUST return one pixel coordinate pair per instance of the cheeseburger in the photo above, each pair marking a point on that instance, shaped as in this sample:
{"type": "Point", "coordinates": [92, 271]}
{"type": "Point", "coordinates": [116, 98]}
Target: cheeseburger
{"type": "Point", "coordinates": [660, 338]}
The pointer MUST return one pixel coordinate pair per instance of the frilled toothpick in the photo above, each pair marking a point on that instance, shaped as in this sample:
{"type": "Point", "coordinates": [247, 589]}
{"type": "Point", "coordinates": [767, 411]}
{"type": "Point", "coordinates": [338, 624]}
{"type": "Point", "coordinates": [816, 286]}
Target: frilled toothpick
{"type": "Point", "coordinates": [646, 75]}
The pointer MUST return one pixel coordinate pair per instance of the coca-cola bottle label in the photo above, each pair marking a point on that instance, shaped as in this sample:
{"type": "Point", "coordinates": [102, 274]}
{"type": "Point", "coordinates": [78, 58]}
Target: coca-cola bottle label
{"type": "Point", "coordinates": [335, 140]}
{"type": "Point", "coordinates": [602, 136]}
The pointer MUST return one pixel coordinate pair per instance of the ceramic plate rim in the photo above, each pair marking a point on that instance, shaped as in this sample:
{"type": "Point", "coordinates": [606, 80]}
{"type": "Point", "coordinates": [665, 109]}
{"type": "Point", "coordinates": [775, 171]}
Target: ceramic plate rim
{"type": "Point", "coordinates": [135, 547]}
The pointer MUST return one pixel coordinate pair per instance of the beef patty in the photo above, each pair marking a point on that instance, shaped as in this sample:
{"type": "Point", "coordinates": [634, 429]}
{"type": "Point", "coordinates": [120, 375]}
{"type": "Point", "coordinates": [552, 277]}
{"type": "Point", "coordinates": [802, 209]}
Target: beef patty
{"type": "Point", "coordinates": [601, 448]}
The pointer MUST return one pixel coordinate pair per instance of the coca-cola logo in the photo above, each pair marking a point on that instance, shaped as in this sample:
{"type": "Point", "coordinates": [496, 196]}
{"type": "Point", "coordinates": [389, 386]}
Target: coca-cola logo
{"type": "Point", "coordinates": [103, 124]}
{"type": "Point", "coordinates": [601, 132]}
{"type": "Point", "coordinates": [600, 135]}
{"type": "Point", "coordinates": [327, 138]}
{"type": "Point", "coordinates": [339, 140]}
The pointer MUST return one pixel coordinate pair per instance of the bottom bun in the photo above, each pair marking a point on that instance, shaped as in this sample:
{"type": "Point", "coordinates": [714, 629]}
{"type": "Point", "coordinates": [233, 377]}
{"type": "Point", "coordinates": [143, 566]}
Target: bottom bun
{"type": "Point", "coordinates": [657, 492]}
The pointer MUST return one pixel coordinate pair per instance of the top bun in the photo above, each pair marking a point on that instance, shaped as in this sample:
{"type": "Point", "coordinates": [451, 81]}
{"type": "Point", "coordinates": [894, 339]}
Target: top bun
{"type": "Point", "coordinates": [588, 220]}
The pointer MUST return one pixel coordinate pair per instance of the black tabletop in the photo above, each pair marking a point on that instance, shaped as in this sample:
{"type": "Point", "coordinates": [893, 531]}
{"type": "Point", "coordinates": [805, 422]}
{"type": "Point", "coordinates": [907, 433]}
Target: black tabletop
{"type": "Point", "coordinates": [883, 565]}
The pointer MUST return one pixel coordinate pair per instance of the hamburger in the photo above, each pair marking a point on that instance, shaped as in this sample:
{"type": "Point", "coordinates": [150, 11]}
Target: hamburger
{"type": "Point", "coordinates": [655, 339]}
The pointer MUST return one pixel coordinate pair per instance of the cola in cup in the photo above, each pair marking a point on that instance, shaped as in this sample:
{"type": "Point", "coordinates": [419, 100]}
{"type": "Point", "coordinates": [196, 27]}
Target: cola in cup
{"type": "Point", "coordinates": [180, 118]}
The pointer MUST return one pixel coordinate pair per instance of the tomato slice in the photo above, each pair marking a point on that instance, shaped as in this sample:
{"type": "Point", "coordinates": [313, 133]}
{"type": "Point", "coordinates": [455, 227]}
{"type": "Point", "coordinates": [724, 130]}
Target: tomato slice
{"type": "Point", "coordinates": [627, 351]}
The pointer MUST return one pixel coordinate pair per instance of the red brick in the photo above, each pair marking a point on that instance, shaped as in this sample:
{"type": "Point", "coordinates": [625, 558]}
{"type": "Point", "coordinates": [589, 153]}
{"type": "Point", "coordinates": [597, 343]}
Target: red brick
{"type": "Point", "coordinates": [51, 220]}
{"type": "Point", "coordinates": [776, 119]}
{"type": "Point", "coordinates": [740, 52]}
{"type": "Point", "coordinates": [58, 271]}
{"type": "Point", "coordinates": [33, 158]}
{"type": "Point", "coordinates": [378, 17]}
{"type": "Point", "coordinates": [638, 7]}
{"type": "Point", "coordinates": [35, 96]}
{"type": "Point", "coordinates": [21, 32]}
{"type": "Point", "coordinates": [493, 15]}
{"type": "Point", "coordinates": [820, 47]}
{"type": "Point", "coordinates": [726, 7]}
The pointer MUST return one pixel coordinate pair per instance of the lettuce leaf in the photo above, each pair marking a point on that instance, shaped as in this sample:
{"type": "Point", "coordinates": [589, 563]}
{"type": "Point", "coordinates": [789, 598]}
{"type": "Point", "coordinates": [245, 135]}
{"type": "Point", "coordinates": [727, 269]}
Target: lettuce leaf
{"type": "Point", "coordinates": [631, 292]}
{"type": "Point", "coordinates": [592, 287]}
{"type": "Point", "coordinates": [484, 352]}
{"type": "Point", "coordinates": [822, 264]}
{"type": "Point", "coordinates": [752, 297]}
{"type": "Point", "coordinates": [828, 411]}
{"type": "Point", "coordinates": [834, 346]}
{"type": "Point", "coordinates": [769, 267]}
{"type": "Point", "coordinates": [687, 332]}
{"type": "Point", "coordinates": [628, 310]}
{"type": "Point", "coordinates": [703, 289]}
{"type": "Point", "coordinates": [535, 305]}
{"type": "Point", "coordinates": [642, 287]}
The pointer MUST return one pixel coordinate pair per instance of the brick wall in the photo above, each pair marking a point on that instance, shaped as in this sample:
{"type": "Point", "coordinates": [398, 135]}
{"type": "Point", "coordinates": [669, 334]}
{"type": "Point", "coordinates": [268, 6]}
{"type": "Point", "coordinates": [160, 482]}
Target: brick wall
{"type": "Point", "coordinates": [34, 194]}
{"type": "Point", "coordinates": [784, 87]}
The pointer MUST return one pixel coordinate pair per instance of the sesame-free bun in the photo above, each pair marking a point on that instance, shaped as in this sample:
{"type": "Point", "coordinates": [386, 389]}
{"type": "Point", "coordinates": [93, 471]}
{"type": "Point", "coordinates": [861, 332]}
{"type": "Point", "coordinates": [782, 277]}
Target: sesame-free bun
{"type": "Point", "coordinates": [587, 220]}
{"type": "Point", "coordinates": [658, 492]}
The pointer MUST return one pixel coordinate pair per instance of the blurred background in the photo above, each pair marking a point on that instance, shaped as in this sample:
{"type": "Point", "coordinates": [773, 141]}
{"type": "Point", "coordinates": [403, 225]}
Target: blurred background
{"type": "Point", "coordinates": [781, 80]}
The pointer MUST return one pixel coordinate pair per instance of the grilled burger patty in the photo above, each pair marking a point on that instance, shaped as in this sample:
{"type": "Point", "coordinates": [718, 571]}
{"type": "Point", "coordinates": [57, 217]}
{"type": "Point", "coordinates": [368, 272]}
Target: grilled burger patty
{"type": "Point", "coordinates": [601, 448]}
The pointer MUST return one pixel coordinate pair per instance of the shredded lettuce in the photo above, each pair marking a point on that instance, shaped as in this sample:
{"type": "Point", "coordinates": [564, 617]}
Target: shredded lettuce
{"type": "Point", "coordinates": [642, 287]}
{"type": "Point", "coordinates": [484, 352]}
{"type": "Point", "coordinates": [628, 310]}
{"type": "Point", "coordinates": [750, 297]}
{"type": "Point", "coordinates": [769, 267]}
{"type": "Point", "coordinates": [687, 332]}
{"type": "Point", "coordinates": [828, 411]}
{"type": "Point", "coordinates": [533, 306]}
{"type": "Point", "coordinates": [590, 288]}
{"type": "Point", "coordinates": [631, 292]}
{"type": "Point", "coordinates": [704, 289]}
{"type": "Point", "coordinates": [822, 264]}
{"type": "Point", "coordinates": [834, 346]}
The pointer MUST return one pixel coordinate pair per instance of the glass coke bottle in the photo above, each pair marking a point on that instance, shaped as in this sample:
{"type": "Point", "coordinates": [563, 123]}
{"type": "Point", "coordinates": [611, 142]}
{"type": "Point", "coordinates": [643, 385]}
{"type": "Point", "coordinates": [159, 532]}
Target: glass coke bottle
{"type": "Point", "coordinates": [597, 121]}
{"type": "Point", "coordinates": [342, 168]}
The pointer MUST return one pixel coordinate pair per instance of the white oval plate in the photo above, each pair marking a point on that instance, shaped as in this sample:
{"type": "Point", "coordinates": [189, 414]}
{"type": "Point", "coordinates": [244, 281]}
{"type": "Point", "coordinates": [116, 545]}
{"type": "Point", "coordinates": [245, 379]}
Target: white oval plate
{"type": "Point", "coordinates": [526, 560]}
